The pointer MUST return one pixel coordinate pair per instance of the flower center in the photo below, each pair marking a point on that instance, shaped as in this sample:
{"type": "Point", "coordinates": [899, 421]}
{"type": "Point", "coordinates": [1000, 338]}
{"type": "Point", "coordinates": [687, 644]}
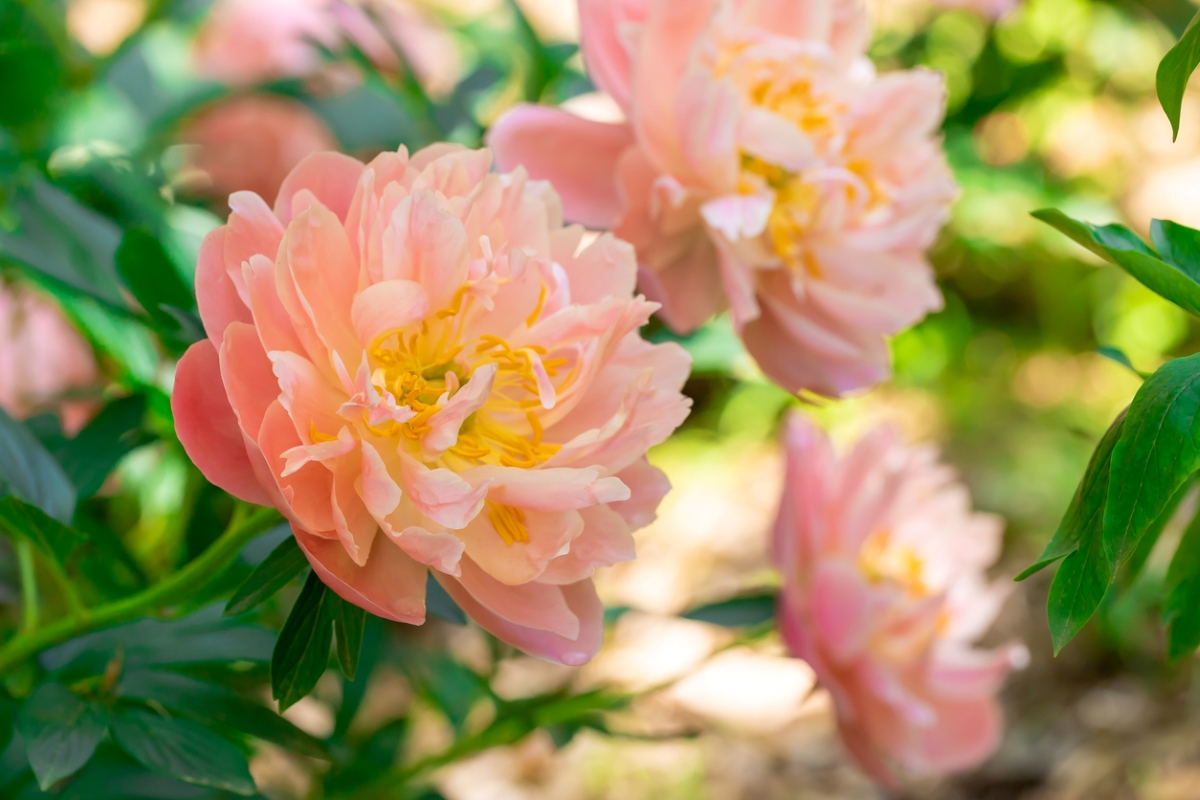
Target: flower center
{"type": "Point", "coordinates": [881, 560]}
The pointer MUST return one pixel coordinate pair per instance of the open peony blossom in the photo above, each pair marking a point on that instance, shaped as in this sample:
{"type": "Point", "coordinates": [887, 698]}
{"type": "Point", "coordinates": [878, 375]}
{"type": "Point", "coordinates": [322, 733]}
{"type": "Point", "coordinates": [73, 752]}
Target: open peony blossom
{"type": "Point", "coordinates": [420, 367]}
{"type": "Point", "coordinates": [884, 591]}
{"type": "Point", "coordinates": [764, 168]}
{"type": "Point", "coordinates": [244, 42]}
{"type": "Point", "coordinates": [251, 143]}
{"type": "Point", "coordinates": [43, 361]}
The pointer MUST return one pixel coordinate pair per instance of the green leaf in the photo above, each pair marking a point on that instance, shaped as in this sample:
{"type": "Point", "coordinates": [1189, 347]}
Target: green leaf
{"type": "Point", "coordinates": [1181, 607]}
{"type": "Point", "coordinates": [1077, 590]}
{"type": "Point", "coordinates": [302, 650]}
{"type": "Point", "coordinates": [205, 637]}
{"type": "Point", "coordinates": [1174, 71]}
{"type": "Point", "coordinates": [19, 519]}
{"type": "Point", "coordinates": [1119, 246]}
{"type": "Point", "coordinates": [738, 612]}
{"type": "Point", "coordinates": [439, 603]}
{"type": "Point", "coordinates": [1158, 450]}
{"type": "Point", "coordinates": [110, 436]}
{"type": "Point", "coordinates": [61, 732]}
{"type": "Point", "coordinates": [124, 339]}
{"type": "Point", "coordinates": [1085, 514]}
{"type": "Point", "coordinates": [182, 749]}
{"type": "Point", "coordinates": [1178, 245]}
{"type": "Point", "coordinates": [452, 687]}
{"type": "Point", "coordinates": [1137, 559]}
{"type": "Point", "coordinates": [213, 703]}
{"type": "Point", "coordinates": [152, 277]}
{"type": "Point", "coordinates": [64, 240]}
{"type": "Point", "coordinates": [31, 473]}
{"type": "Point", "coordinates": [353, 691]}
{"type": "Point", "coordinates": [276, 571]}
{"type": "Point", "coordinates": [348, 621]}
{"type": "Point", "coordinates": [1118, 355]}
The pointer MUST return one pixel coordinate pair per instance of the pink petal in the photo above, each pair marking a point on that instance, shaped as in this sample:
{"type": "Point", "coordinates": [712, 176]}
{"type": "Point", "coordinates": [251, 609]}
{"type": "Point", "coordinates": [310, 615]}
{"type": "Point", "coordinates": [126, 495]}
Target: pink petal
{"type": "Point", "coordinates": [648, 485]}
{"type": "Point", "coordinates": [330, 177]}
{"type": "Point", "coordinates": [307, 395]}
{"type": "Point", "coordinates": [518, 562]}
{"type": "Point", "coordinates": [531, 605]}
{"type": "Point", "coordinates": [605, 268]}
{"type": "Point", "coordinates": [581, 601]}
{"type": "Point", "coordinates": [440, 494]}
{"type": "Point", "coordinates": [379, 491]}
{"type": "Point", "coordinates": [739, 216]}
{"type": "Point", "coordinates": [578, 156]}
{"type": "Point", "coordinates": [427, 244]}
{"type": "Point", "coordinates": [355, 526]}
{"type": "Point", "coordinates": [604, 28]}
{"type": "Point", "coordinates": [246, 372]}
{"type": "Point", "coordinates": [445, 424]}
{"type": "Point", "coordinates": [207, 426]}
{"type": "Point", "coordinates": [841, 600]}
{"type": "Point", "coordinates": [307, 492]}
{"type": "Point", "coordinates": [275, 327]}
{"type": "Point", "coordinates": [442, 551]}
{"type": "Point", "coordinates": [391, 585]}
{"type": "Point", "coordinates": [387, 306]}
{"type": "Point", "coordinates": [605, 541]}
{"type": "Point", "coordinates": [774, 139]}
{"type": "Point", "coordinates": [216, 296]}
{"type": "Point", "coordinates": [554, 489]}
{"type": "Point", "coordinates": [325, 275]}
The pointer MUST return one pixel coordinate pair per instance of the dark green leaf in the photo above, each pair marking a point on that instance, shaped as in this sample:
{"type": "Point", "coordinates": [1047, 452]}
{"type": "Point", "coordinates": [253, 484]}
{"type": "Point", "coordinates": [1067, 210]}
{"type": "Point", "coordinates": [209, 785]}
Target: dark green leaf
{"type": "Point", "coordinates": [441, 604]}
{"type": "Point", "coordinates": [1085, 514]}
{"type": "Point", "coordinates": [452, 688]}
{"type": "Point", "coordinates": [1181, 608]}
{"type": "Point", "coordinates": [302, 650]}
{"type": "Point", "coordinates": [284, 563]}
{"type": "Point", "coordinates": [353, 691]}
{"type": "Point", "coordinates": [576, 707]}
{"type": "Point", "coordinates": [1174, 71]}
{"type": "Point", "coordinates": [95, 451]}
{"type": "Point", "coordinates": [61, 732]}
{"type": "Point", "coordinates": [1178, 245]}
{"type": "Point", "coordinates": [1077, 590]}
{"type": "Point", "coordinates": [213, 703]}
{"type": "Point", "coordinates": [55, 540]}
{"type": "Point", "coordinates": [31, 473]}
{"type": "Point", "coordinates": [182, 749]}
{"type": "Point", "coordinates": [738, 612]}
{"type": "Point", "coordinates": [64, 240]}
{"type": "Point", "coordinates": [1137, 559]}
{"type": "Point", "coordinates": [1120, 246]}
{"type": "Point", "coordinates": [152, 277]}
{"type": "Point", "coordinates": [348, 621]}
{"type": "Point", "coordinates": [201, 638]}
{"type": "Point", "coordinates": [1158, 450]}
{"type": "Point", "coordinates": [1117, 355]}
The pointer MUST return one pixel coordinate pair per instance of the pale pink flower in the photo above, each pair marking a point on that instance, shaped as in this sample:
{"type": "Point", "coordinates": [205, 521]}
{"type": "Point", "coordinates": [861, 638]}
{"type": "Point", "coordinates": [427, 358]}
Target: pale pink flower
{"type": "Point", "coordinates": [420, 367]}
{"type": "Point", "coordinates": [251, 143]}
{"type": "Point", "coordinates": [764, 169]}
{"type": "Point", "coordinates": [45, 364]}
{"type": "Point", "coordinates": [243, 42]}
{"type": "Point", "coordinates": [884, 592]}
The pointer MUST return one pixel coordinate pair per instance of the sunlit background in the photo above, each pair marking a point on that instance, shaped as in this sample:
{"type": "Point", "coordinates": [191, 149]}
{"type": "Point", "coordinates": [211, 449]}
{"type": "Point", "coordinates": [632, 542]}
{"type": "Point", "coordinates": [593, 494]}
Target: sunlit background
{"type": "Point", "coordinates": [1052, 105]}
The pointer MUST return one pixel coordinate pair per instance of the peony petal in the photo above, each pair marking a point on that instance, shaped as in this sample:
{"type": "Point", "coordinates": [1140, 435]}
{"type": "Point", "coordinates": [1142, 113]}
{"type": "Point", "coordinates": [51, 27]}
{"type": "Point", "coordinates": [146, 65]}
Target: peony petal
{"type": "Point", "coordinates": [841, 600]}
{"type": "Point", "coordinates": [216, 296]}
{"type": "Point", "coordinates": [391, 585]}
{"type": "Point", "coordinates": [325, 275]}
{"type": "Point", "coordinates": [445, 424]}
{"type": "Point", "coordinates": [581, 600]}
{"type": "Point", "coordinates": [440, 494]}
{"type": "Point", "coordinates": [355, 526]}
{"type": "Point", "coordinates": [605, 30]}
{"type": "Point", "coordinates": [307, 492]}
{"type": "Point", "coordinates": [442, 551]}
{"type": "Point", "coordinates": [331, 178]}
{"type": "Point", "coordinates": [555, 489]}
{"type": "Point", "coordinates": [207, 426]}
{"type": "Point", "coordinates": [531, 605]}
{"type": "Point", "coordinates": [246, 372]}
{"type": "Point", "coordinates": [549, 144]}
{"type": "Point", "coordinates": [386, 307]}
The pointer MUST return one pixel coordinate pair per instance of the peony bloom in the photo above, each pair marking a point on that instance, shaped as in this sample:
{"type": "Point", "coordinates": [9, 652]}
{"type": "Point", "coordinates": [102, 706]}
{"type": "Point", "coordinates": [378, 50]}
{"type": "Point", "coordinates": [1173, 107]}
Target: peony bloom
{"type": "Point", "coordinates": [884, 592]}
{"type": "Point", "coordinates": [420, 367]}
{"type": "Point", "coordinates": [764, 168]}
{"type": "Point", "coordinates": [251, 143]}
{"type": "Point", "coordinates": [244, 42]}
{"type": "Point", "coordinates": [43, 361]}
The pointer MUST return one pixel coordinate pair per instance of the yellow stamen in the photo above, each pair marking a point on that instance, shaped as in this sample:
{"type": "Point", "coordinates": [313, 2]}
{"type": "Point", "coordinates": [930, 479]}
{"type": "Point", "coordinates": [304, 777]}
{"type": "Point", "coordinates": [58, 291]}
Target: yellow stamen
{"type": "Point", "coordinates": [316, 435]}
{"type": "Point", "coordinates": [509, 522]}
{"type": "Point", "coordinates": [532, 318]}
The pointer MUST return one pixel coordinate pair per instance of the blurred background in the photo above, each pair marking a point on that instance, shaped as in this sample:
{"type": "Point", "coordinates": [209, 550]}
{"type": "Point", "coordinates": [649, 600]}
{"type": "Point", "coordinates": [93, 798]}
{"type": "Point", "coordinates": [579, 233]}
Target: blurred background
{"type": "Point", "coordinates": [1051, 102]}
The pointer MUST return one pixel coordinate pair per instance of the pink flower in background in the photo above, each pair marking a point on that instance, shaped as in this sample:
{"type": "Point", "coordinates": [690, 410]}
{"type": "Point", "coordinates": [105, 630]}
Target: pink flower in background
{"type": "Point", "coordinates": [244, 42]}
{"type": "Point", "coordinates": [884, 591]}
{"type": "Point", "coordinates": [251, 143]}
{"type": "Point", "coordinates": [43, 360]}
{"type": "Point", "coordinates": [764, 168]}
{"type": "Point", "coordinates": [420, 367]}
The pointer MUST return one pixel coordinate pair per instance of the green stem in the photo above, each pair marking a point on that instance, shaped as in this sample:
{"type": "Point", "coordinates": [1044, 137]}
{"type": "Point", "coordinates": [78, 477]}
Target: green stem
{"type": "Point", "coordinates": [30, 611]}
{"type": "Point", "coordinates": [172, 589]}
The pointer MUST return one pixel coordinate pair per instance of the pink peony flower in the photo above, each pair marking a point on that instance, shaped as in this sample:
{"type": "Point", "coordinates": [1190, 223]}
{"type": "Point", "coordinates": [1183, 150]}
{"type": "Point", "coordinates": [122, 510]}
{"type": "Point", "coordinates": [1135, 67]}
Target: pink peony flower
{"type": "Point", "coordinates": [43, 361]}
{"type": "Point", "coordinates": [244, 42]}
{"type": "Point", "coordinates": [884, 591]}
{"type": "Point", "coordinates": [420, 367]}
{"type": "Point", "coordinates": [764, 168]}
{"type": "Point", "coordinates": [251, 143]}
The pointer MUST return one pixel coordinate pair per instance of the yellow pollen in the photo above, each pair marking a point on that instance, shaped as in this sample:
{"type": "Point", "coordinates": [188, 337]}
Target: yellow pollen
{"type": "Point", "coordinates": [532, 318]}
{"type": "Point", "coordinates": [509, 522]}
{"type": "Point", "coordinates": [316, 435]}
{"type": "Point", "coordinates": [880, 560]}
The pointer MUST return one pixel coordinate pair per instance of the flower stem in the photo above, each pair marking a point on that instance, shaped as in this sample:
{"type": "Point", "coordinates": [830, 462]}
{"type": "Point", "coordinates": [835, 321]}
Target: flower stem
{"type": "Point", "coordinates": [173, 589]}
